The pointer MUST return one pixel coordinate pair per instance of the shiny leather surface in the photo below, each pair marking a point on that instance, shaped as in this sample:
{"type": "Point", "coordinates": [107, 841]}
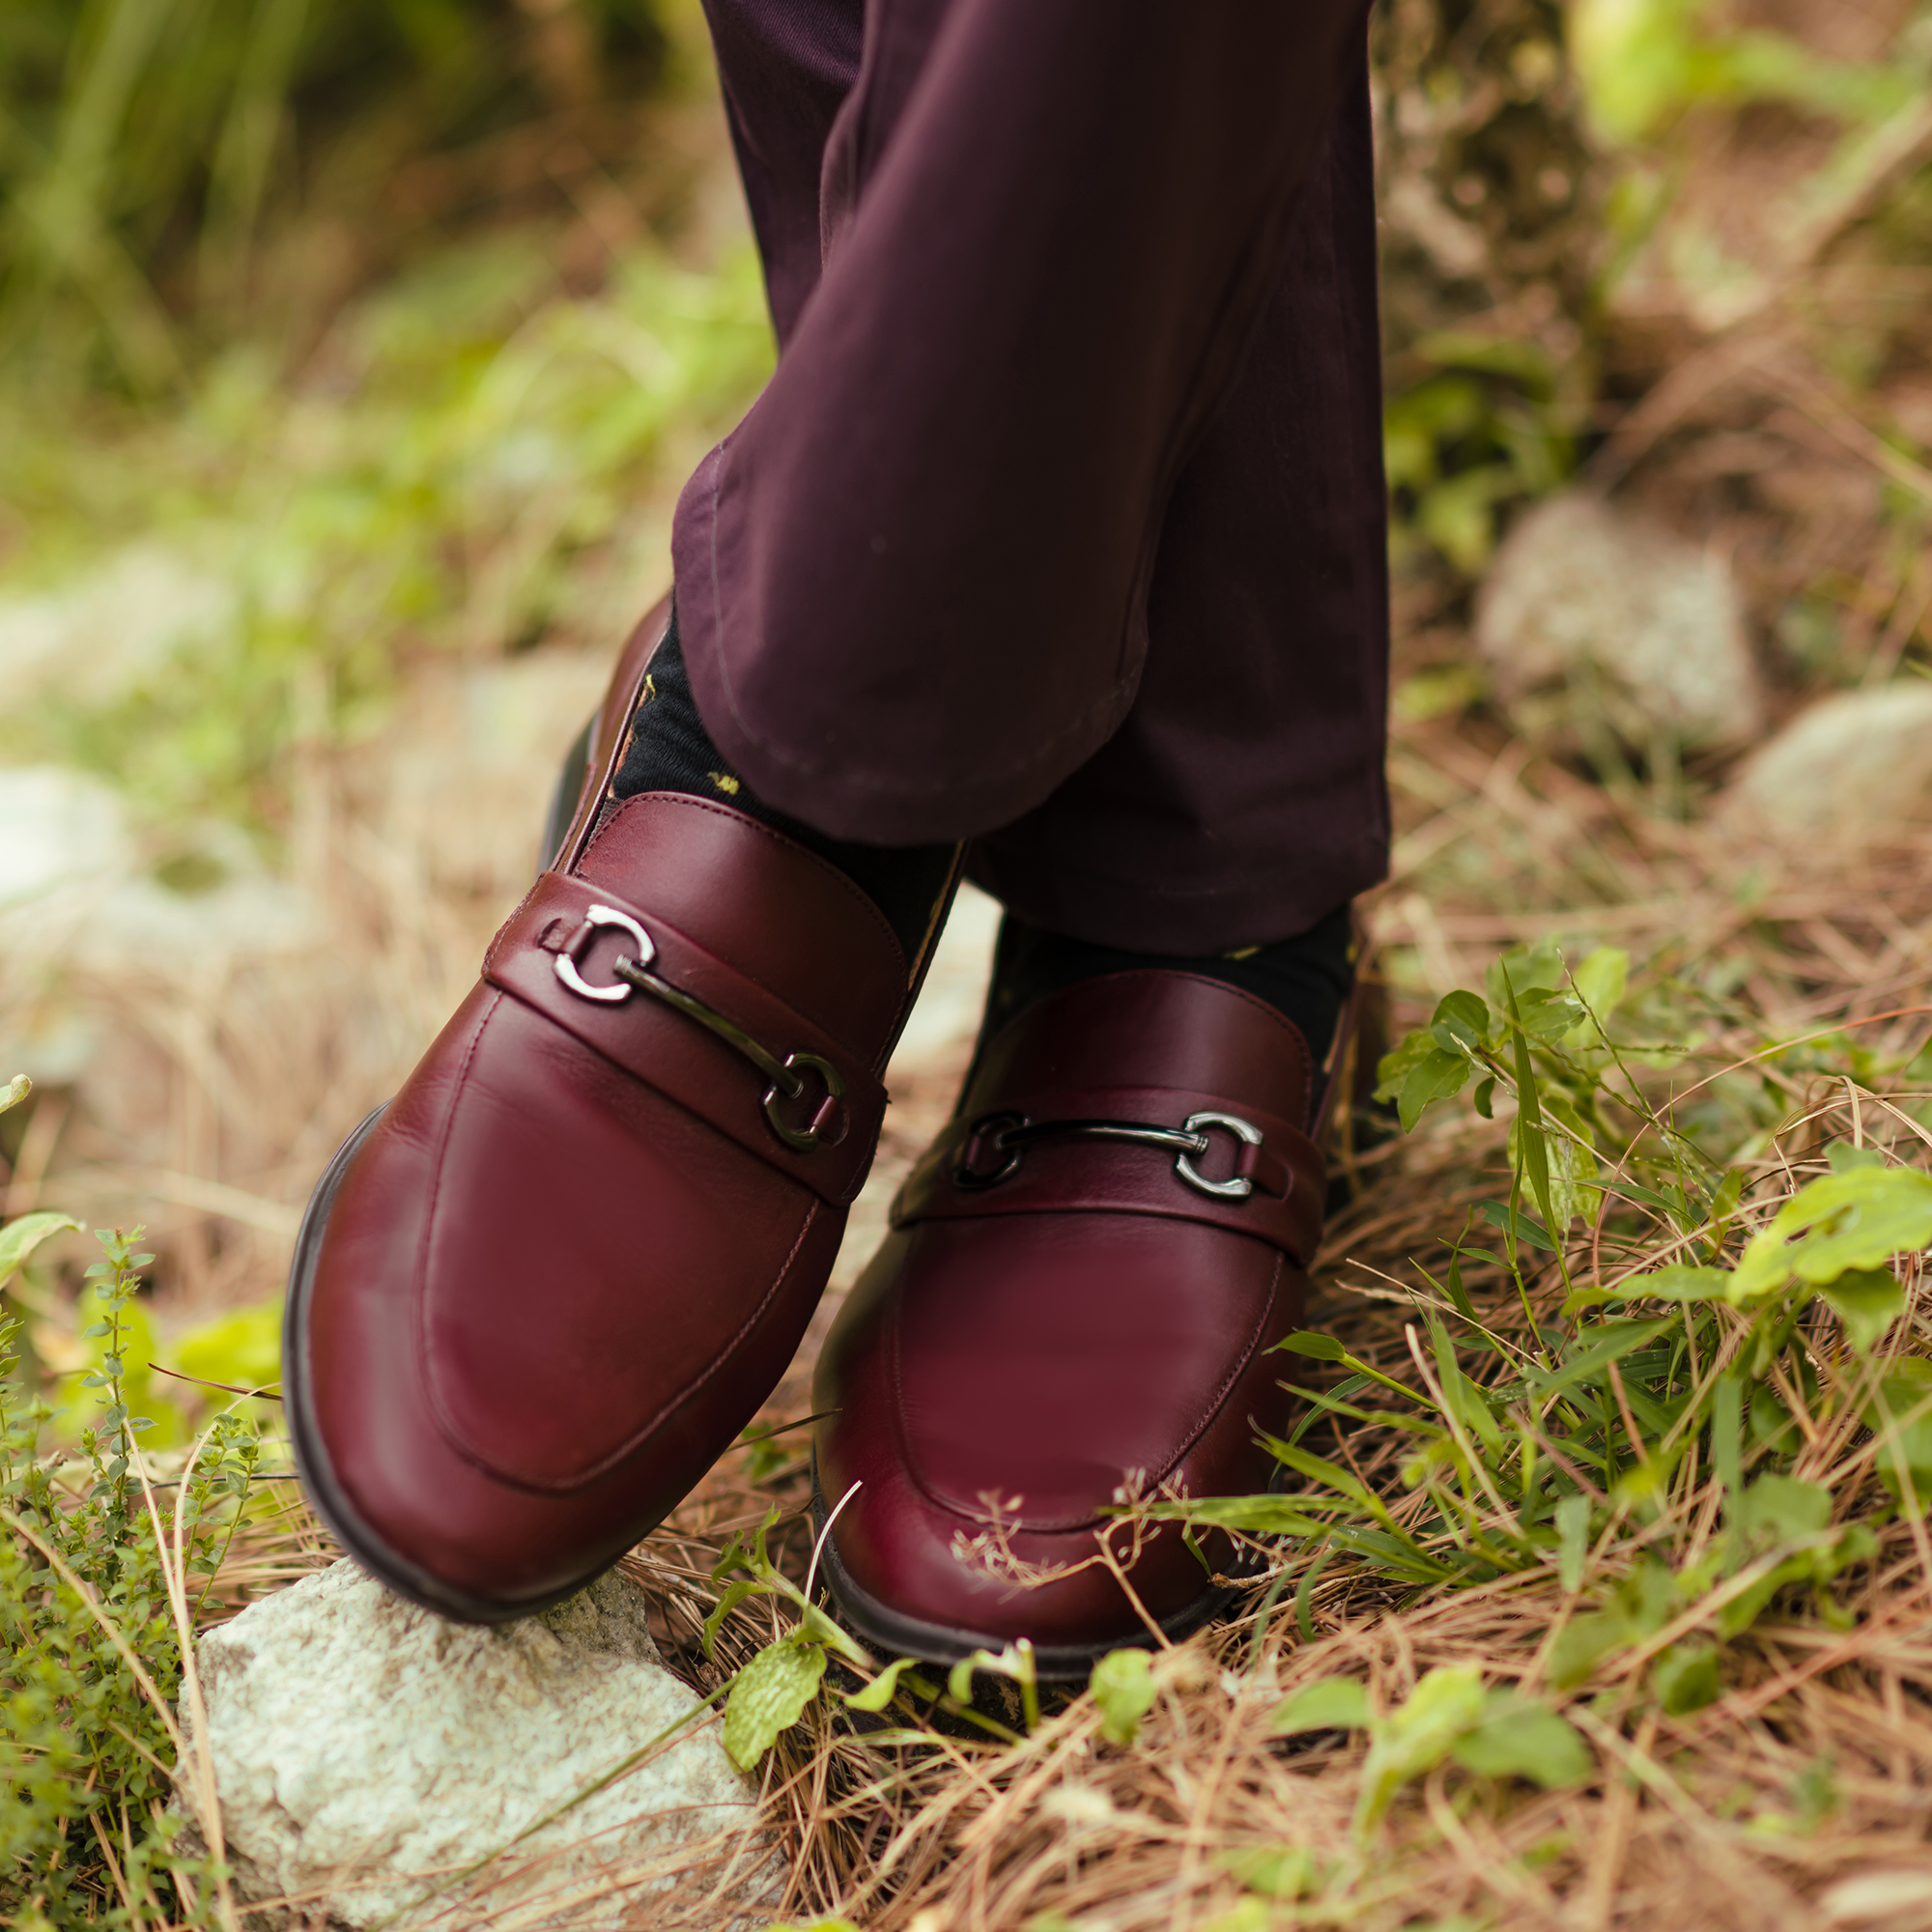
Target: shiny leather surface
{"type": "Point", "coordinates": [1015, 1355]}
{"type": "Point", "coordinates": [553, 1286]}
{"type": "Point", "coordinates": [667, 1050]}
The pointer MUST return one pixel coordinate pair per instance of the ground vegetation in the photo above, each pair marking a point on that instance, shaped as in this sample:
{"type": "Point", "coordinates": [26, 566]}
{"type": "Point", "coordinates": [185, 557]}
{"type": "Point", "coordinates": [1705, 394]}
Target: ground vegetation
{"type": "Point", "coordinates": [1596, 1589]}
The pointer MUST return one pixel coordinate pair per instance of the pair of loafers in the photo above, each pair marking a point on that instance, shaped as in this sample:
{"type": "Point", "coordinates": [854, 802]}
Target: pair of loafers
{"type": "Point", "coordinates": [538, 1295]}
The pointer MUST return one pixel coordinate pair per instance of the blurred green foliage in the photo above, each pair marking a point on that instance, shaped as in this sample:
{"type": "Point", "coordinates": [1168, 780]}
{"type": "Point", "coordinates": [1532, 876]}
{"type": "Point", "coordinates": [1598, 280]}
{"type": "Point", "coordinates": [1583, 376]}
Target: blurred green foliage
{"type": "Point", "coordinates": [1641, 62]}
{"type": "Point", "coordinates": [1551, 244]}
{"type": "Point", "coordinates": [1497, 424]}
{"type": "Point", "coordinates": [146, 147]}
{"type": "Point", "coordinates": [473, 430]}
{"type": "Point", "coordinates": [430, 460]}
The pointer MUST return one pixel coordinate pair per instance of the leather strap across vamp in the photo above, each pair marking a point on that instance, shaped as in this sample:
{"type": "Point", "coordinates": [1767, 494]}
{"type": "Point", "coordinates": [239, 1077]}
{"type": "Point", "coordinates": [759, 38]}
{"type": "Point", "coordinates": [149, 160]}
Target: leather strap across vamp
{"type": "Point", "coordinates": [1084, 1279]}
{"type": "Point", "coordinates": [522, 1325]}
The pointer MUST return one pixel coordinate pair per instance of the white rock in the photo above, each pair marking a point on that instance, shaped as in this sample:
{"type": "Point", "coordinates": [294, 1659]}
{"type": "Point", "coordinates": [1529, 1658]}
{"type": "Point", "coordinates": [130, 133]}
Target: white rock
{"type": "Point", "coordinates": [112, 627]}
{"type": "Point", "coordinates": [361, 1747]}
{"type": "Point", "coordinates": [75, 887]}
{"type": "Point", "coordinates": [1621, 617]}
{"type": "Point", "coordinates": [1849, 766]}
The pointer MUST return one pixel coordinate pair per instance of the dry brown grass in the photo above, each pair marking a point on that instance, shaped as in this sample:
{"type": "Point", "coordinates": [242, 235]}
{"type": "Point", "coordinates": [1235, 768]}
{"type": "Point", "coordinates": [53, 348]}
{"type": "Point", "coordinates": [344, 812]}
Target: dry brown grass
{"type": "Point", "coordinates": [1799, 1799]}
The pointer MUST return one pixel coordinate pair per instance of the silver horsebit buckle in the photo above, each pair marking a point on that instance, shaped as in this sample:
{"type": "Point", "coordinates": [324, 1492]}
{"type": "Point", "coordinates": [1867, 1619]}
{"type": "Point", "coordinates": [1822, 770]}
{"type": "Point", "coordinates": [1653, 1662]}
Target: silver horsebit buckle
{"type": "Point", "coordinates": [786, 1075]}
{"type": "Point", "coordinates": [1010, 1135]}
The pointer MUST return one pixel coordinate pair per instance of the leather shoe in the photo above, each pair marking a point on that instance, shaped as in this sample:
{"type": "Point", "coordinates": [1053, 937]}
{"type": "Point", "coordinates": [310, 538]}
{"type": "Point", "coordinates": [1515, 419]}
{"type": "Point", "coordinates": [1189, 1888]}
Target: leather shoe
{"type": "Point", "coordinates": [1084, 1278]}
{"type": "Point", "coordinates": [537, 1295]}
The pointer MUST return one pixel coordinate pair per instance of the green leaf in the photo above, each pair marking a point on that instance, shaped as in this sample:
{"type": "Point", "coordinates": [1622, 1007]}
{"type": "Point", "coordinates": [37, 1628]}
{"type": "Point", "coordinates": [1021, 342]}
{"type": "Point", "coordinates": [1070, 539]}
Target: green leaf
{"type": "Point", "coordinates": [768, 1696]}
{"type": "Point", "coordinates": [1254, 1516]}
{"type": "Point", "coordinates": [1317, 1469]}
{"type": "Point", "coordinates": [1866, 1301]}
{"type": "Point", "coordinates": [1520, 1737]}
{"type": "Point", "coordinates": [1525, 1228]}
{"type": "Point", "coordinates": [1899, 1395]}
{"type": "Point", "coordinates": [1413, 1740]}
{"type": "Point", "coordinates": [1524, 969]}
{"type": "Point", "coordinates": [1124, 1693]}
{"type": "Point", "coordinates": [20, 1239]}
{"type": "Point", "coordinates": [15, 1092]}
{"type": "Point", "coordinates": [1679, 1283]}
{"type": "Point", "coordinates": [1439, 1076]}
{"type": "Point", "coordinates": [1396, 1066]}
{"type": "Point", "coordinates": [1842, 1158]}
{"type": "Point", "coordinates": [1610, 1343]}
{"type": "Point", "coordinates": [1685, 1678]}
{"type": "Point", "coordinates": [1582, 1641]}
{"type": "Point", "coordinates": [1528, 1149]}
{"type": "Point", "coordinates": [1600, 981]}
{"type": "Point", "coordinates": [1572, 1540]}
{"type": "Point", "coordinates": [1462, 1021]}
{"type": "Point", "coordinates": [882, 1689]}
{"type": "Point", "coordinates": [1329, 1704]}
{"type": "Point", "coordinates": [1779, 1509]}
{"type": "Point", "coordinates": [1283, 1872]}
{"type": "Point", "coordinates": [1858, 1219]}
{"type": "Point", "coordinates": [1548, 1015]}
{"type": "Point", "coordinates": [1321, 1347]}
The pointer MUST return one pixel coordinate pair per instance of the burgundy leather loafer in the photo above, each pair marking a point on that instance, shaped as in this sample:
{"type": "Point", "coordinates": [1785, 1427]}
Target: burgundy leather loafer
{"type": "Point", "coordinates": [537, 1295]}
{"type": "Point", "coordinates": [1084, 1277]}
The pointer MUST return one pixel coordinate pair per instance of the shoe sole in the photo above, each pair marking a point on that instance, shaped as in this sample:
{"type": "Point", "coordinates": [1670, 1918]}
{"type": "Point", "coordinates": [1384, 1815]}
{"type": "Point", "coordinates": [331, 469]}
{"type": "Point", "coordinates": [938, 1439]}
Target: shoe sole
{"type": "Point", "coordinates": [900, 1636]}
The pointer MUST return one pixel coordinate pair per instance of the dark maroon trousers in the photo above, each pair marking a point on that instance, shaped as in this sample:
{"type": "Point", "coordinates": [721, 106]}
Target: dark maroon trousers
{"type": "Point", "coordinates": [1061, 526]}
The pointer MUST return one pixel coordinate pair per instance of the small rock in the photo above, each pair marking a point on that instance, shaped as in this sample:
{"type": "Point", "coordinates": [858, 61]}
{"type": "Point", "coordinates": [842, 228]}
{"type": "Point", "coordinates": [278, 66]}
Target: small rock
{"type": "Point", "coordinates": [111, 627]}
{"type": "Point", "coordinates": [1849, 766]}
{"type": "Point", "coordinates": [76, 884]}
{"type": "Point", "coordinates": [1590, 617]}
{"type": "Point", "coordinates": [361, 1748]}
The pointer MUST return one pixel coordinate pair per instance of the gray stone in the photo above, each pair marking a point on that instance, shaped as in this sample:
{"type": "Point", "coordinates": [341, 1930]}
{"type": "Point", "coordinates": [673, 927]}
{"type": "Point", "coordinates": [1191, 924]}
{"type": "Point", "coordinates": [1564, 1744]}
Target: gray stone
{"type": "Point", "coordinates": [75, 886]}
{"type": "Point", "coordinates": [1590, 618]}
{"type": "Point", "coordinates": [1849, 767]}
{"type": "Point", "coordinates": [362, 1749]}
{"type": "Point", "coordinates": [111, 627]}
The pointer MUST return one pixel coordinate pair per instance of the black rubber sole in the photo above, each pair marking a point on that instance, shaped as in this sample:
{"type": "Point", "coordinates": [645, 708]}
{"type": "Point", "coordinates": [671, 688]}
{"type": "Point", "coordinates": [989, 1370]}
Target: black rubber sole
{"type": "Point", "coordinates": [900, 1636]}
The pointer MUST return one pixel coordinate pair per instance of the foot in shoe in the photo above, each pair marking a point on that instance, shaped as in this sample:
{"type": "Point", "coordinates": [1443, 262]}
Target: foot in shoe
{"type": "Point", "coordinates": [537, 1297]}
{"type": "Point", "coordinates": [1083, 1280]}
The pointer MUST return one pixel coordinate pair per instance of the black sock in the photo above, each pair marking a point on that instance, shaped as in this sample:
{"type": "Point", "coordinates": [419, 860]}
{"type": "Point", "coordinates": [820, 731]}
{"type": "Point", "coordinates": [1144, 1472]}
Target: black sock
{"type": "Point", "coordinates": [1306, 979]}
{"type": "Point", "coordinates": [671, 751]}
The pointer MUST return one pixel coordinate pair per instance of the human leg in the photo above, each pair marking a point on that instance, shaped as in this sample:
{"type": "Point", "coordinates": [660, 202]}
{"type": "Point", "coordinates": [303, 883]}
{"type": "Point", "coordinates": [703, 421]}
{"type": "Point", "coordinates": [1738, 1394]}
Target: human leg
{"type": "Point", "coordinates": [588, 1126]}
{"type": "Point", "coordinates": [1071, 1308]}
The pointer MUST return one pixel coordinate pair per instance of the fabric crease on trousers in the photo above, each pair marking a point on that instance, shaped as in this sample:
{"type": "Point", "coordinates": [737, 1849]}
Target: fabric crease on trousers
{"type": "Point", "coordinates": [1061, 526]}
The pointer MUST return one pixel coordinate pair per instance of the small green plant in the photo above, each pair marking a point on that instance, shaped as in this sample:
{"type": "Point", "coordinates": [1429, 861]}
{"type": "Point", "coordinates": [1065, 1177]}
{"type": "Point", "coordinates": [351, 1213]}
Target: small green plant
{"type": "Point", "coordinates": [1493, 424]}
{"type": "Point", "coordinates": [770, 1691]}
{"type": "Point", "coordinates": [1697, 1417]}
{"type": "Point", "coordinates": [97, 1599]}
